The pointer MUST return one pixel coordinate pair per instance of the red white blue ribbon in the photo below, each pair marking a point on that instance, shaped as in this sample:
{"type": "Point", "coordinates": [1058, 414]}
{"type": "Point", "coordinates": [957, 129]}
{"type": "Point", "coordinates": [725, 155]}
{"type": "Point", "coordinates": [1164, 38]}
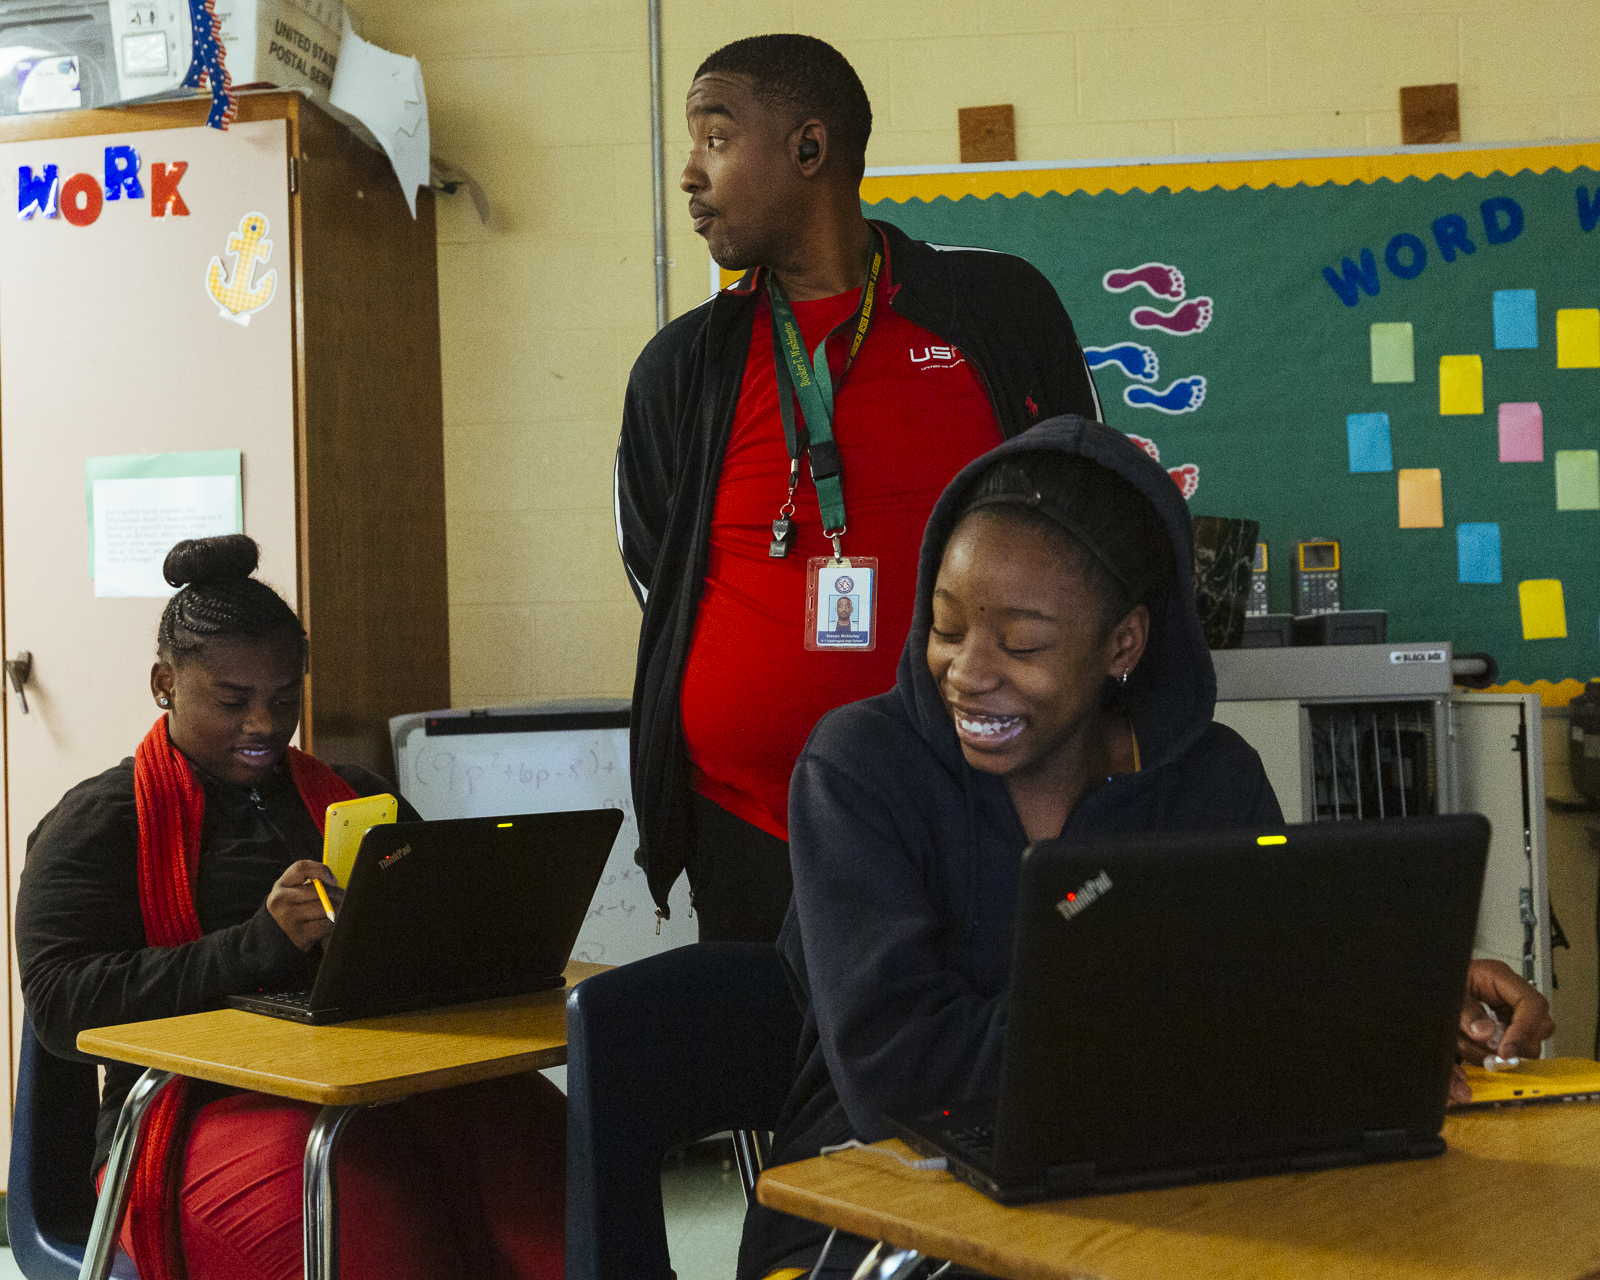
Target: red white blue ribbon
{"type": "Point", "coordinates": [209, 65]}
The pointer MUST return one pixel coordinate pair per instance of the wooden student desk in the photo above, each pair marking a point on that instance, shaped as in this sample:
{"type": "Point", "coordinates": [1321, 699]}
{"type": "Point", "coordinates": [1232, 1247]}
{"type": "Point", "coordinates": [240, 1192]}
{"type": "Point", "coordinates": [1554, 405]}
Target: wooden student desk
{"type": "Point", "coordinates": [342, 1067]}
{"type": "Point", "coordinates": [1516, 1196]}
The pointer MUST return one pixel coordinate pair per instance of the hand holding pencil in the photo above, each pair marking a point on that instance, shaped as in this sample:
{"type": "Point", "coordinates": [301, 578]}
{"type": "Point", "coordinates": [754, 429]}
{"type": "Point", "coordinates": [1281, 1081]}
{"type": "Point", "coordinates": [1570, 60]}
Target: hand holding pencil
{"type": "Point", "coordinates": [304, 902]}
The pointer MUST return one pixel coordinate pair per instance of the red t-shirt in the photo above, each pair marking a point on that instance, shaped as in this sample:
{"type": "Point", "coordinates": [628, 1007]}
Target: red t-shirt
{"type": "Point", "coordinates": [910, 414]}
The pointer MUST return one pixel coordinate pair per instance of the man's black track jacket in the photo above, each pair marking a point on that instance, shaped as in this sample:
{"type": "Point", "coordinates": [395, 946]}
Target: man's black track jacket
{"type": "Point", "coordinates": [677, 417]}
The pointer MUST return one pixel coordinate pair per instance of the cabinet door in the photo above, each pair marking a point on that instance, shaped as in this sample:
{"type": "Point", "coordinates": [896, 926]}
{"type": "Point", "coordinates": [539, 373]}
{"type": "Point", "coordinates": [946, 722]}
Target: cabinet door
{"type": "Point", "coordinates": [1494, 753]}
{"type": "Point", "coordinates": [111, 343]}
{"type": "Point", "coordinates": [1274, 729]}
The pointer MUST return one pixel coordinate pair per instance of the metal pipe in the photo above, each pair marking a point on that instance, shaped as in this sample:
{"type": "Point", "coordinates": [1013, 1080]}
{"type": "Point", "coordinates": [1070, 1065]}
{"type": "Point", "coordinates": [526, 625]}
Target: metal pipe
{"type": "Point", "coordinates": [320, 1248]}
{"type": "Point", "coordinates": [750, 1150]}
{"type": "Point", "coordinates": [1333, 754]}
{"type": "Point", "coordinates": [101, 1249]}
{"type": "Point", "coordinates": [658, 162]}
{"type": "Point", "coordinates": [1355, 764]}
{"type": "Point", "coordinates": [1377, 764]}
{"type": "Point", "coordinates": [1399, 761]}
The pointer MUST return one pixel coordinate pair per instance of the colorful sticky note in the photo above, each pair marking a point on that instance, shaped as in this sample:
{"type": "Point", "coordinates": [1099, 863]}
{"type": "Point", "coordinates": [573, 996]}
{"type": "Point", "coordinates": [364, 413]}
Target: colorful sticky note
{"type": "Point", "coordinates": [1393, 358]}
{"type": "Point", "coordinates": [1578, 339]}
{"type": "Point", "coordinates": [1421, 499]}
{"type": "Point", "coordinates": [1577, 480]}
{"type": "Point", "coordinates": [1478, 552]}
{"type": "Point", "coordinates": [1369, 442]}
{"type": "Point", "coordinates": [1521, 433]}
{"type": "Point", "coordinates": [1544, 611]}
{"type": "Point", "coordinates": [1516, 319]}
{"type": "Point", "coordinates": [1460, 384]}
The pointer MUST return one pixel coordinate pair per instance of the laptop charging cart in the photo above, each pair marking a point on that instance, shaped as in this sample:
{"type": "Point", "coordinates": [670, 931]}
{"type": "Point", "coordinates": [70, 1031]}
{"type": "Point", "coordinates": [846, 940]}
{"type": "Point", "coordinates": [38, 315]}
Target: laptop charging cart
{"type": "Point", "coordinates": [1351, 732]}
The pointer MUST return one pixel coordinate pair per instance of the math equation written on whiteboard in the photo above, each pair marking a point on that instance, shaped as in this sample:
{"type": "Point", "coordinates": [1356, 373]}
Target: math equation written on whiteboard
{"type": "Point", "coordinates": [470, 775]}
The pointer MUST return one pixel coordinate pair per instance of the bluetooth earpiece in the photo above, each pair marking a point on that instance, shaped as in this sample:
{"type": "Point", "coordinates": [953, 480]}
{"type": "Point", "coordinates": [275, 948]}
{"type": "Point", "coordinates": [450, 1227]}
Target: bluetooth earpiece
{"type": "Point", "coordinates": [809, 150]}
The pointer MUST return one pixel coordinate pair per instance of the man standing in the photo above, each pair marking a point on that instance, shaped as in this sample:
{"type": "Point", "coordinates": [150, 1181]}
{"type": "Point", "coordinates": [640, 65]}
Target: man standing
{"type": "Point", "coordinates": [757, 466]}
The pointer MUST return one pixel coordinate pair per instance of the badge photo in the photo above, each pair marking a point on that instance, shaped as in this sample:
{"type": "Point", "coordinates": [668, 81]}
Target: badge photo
{"type": "Point", "coordinates": [842, 604]}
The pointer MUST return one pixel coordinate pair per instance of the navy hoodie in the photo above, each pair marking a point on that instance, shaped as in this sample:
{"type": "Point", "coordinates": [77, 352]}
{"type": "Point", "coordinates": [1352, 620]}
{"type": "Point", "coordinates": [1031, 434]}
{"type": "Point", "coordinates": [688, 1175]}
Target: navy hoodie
{"type": "Point", "coordinates": [906, 859]}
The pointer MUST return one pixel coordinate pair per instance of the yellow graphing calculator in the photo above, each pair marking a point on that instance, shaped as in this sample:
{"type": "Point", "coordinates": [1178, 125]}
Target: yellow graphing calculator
{"type": "Point", "coordinates": [349, 820]}
{"type": "Point", "coordinates": [1537, 1080]}
{"type": "Point", "coordinates": [1314, 577]}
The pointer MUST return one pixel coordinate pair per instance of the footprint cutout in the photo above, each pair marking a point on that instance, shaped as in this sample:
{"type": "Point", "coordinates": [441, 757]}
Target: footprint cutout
{"type": "Point", "coordinates": [1136, 361]}
{"type": "Point", "coordinates": [1191, 317]}
{"type": "Point", "coordinates": [1183, 396]}
{"type": "Point", "coordinates": [1147, 444]}
{"type": "Point", "coordinates": [1161, 280]}
{"type": "Point", "coordinates": [1187, 478]}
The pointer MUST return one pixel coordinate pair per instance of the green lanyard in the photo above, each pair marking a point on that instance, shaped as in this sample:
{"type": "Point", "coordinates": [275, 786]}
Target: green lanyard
{"type": "Point", "coordinates": [812, 381]}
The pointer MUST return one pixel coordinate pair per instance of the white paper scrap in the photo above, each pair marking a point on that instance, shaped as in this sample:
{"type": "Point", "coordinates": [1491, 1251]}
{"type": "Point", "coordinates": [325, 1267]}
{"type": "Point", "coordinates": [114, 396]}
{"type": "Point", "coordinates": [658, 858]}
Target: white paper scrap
{"type": "Point", "coordinates": [384, 91]}
{"type": "Point", "coordinates": [50, 83]}
{"type": "Point", "coordinates": [136, 522]}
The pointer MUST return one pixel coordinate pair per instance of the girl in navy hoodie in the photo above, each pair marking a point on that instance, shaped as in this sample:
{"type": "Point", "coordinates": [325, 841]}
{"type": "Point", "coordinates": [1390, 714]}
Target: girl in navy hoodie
{"type": "Point", "coordinates": [1055, 683]}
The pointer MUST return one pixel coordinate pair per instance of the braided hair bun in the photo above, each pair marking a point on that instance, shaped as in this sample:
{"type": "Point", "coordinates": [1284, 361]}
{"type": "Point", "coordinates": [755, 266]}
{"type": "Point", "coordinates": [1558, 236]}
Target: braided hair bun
{"type": "Point", "coordinates": [218, 598]}
{"type": "Point", "coordinates": [233, 555]}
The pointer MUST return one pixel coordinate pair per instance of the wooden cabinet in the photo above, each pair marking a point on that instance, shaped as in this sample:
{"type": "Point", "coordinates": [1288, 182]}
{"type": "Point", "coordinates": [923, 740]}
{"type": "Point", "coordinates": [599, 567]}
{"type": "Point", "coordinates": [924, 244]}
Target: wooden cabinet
{"type": "Point", "coordinates": [110, 345]}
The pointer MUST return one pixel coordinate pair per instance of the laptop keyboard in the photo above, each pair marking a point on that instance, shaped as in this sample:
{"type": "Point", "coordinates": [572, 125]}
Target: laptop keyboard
{"type": "Point", "coordinates": [974, 1141]}
{"type": "Point", "coordinates": [292, 999]}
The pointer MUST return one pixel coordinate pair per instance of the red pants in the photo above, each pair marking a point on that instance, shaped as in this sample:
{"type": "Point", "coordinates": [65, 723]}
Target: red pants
{"type": "Point", "coordinates": [465, 1183]}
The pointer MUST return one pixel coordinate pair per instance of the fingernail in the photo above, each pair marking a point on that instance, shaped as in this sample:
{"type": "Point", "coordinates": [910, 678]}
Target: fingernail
{"type": "Point", "coordinates": [1482, 1027]}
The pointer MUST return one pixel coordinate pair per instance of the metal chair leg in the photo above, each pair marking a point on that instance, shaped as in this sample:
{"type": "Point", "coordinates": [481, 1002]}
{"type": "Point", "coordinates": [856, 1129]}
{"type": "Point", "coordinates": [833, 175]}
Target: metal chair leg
{"type": "Point", "coordinates": [885, 1262]}
{"type": "Point", "coordinates": [113, 1202]}
{"type": "Point", "coordinates": [751, 1147]}
{"type": "Point", "coordinates": [321, 1209]}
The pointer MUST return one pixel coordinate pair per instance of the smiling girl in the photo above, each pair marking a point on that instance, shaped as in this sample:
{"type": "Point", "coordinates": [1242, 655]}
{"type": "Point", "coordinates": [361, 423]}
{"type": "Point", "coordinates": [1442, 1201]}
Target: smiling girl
{"type": "Point", "coordinates": [1055, 683]}
{"type": "Point", "coordinates": [184, 875]}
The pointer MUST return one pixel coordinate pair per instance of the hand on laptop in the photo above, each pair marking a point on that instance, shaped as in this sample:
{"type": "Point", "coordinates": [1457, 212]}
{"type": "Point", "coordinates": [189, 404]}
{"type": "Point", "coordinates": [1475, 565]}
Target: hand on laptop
{"type": "Point", "coordinates": [1523, 1020]}
{"type": "Point", "coordinates": [294, 903]}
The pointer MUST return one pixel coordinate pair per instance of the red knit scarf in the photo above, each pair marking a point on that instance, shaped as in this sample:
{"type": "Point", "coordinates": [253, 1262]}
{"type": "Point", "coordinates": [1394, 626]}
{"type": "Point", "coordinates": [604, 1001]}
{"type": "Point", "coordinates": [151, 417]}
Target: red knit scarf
{"type": "Point", "coordinates": [171, 806]}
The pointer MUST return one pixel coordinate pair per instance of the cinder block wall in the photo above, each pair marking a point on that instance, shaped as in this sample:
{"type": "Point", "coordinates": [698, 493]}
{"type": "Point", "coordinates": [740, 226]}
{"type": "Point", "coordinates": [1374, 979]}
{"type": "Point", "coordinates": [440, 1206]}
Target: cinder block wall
{"type": "Point", "coordinates": [547, 102]}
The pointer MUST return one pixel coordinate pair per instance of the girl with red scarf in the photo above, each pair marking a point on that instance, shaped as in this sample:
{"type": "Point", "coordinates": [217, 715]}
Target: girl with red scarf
{"type": "Point", "coordinates": [183, 876]}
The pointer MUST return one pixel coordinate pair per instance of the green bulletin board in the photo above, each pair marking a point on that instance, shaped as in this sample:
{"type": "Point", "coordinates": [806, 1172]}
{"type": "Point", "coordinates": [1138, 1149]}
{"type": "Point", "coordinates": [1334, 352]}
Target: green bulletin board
{"type": "Point", "coordinates": [1262, 384]}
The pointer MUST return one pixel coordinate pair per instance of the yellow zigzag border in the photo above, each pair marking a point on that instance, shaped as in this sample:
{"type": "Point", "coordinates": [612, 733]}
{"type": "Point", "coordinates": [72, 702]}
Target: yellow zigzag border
{"type": "Point", "coordinates": [1552, 694]}
{"type": "Point", "coordinates": [1230, 175]}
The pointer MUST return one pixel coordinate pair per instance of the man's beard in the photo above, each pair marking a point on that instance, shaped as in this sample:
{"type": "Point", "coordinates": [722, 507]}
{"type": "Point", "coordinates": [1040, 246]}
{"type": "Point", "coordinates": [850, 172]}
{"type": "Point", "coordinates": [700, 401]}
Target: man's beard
{"type": "Point", "coordinates": [737, 253]}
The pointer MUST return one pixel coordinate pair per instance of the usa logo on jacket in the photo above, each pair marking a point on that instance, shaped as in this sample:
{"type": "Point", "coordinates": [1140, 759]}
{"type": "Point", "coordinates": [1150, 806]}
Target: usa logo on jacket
{"type": "Point", "coordinates": [937, 357]}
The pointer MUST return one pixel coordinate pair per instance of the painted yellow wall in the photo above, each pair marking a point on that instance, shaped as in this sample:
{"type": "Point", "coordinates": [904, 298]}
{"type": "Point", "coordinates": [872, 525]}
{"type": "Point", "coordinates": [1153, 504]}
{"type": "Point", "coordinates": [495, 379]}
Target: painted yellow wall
{"type": "Point", "coordinates": [547, 102]}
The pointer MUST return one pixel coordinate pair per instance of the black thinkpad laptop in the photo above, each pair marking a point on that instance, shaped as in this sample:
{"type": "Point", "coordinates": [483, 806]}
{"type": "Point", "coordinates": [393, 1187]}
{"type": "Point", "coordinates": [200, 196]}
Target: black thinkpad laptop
{"type": "Point", "coordinates": [441, 913]}
{"type": "Point", "coordinates": [1197, 1006]}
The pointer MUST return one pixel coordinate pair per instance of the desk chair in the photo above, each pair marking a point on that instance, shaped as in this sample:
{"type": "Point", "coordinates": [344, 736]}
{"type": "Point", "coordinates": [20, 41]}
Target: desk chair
{"type": "Point", "coordinates": [661, 1053]}
{"type": "Point", "coordinates": [51, 1198]}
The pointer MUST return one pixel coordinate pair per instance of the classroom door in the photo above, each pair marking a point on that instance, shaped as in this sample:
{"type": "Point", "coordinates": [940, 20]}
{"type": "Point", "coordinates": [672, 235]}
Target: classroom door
{"type": "Point", "coordinates": [113, 343]}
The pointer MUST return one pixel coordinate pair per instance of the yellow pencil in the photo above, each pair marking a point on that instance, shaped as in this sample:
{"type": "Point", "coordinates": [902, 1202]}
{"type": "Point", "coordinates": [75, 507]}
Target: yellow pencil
{"type": "Point", "coordinates": [323, 894]}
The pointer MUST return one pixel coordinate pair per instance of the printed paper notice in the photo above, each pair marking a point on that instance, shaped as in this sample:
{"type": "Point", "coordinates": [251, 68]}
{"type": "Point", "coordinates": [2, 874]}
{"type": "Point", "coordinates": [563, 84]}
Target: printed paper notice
{"type": "Point", "coordinates": [136, 522]}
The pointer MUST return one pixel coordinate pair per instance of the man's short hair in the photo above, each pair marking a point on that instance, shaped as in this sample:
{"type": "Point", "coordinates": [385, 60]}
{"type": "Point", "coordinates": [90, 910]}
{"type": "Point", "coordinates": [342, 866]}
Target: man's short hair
{"type": "Point", "coordinates": [806, 76]}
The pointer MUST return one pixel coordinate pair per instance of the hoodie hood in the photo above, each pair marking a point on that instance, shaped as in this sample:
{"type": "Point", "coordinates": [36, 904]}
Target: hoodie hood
{"type": "Point", "coordinates": [1171, 693]}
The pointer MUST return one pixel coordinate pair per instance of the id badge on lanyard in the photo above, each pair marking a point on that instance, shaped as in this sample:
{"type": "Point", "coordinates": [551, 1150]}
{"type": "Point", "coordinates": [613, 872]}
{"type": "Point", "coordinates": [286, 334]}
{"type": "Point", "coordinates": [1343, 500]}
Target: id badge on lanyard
{"type": "Point", "coordinates": [841, 592]}
{"type": "Point", "coordinates": [842, 604]}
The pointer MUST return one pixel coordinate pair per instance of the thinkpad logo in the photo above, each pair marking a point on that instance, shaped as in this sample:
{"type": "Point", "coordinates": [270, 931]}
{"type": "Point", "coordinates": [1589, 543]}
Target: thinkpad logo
{"type": "Point", "coordinates": [1084, 896]}
{"type": "Point", "coordinates": [383, 863]}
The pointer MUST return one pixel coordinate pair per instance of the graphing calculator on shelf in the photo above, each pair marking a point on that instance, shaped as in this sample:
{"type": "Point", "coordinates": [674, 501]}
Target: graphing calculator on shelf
{"type": "Point", "coordinates": [1314, 577]}
{"type": "Point", "coordinates": [1260, 603]}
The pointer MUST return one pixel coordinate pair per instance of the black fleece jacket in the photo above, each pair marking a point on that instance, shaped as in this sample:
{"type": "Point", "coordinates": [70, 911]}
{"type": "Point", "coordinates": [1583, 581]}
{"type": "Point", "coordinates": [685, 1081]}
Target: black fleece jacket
{"type": "Point", "coordinates": [906, 860]}
{"type": "Point", "coordinates": [1004, 316]}
{"type": "Point", "coordinates": [80, 935]}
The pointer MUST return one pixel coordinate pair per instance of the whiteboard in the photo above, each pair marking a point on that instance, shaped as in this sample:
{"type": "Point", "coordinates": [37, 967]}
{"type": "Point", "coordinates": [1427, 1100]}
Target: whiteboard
{"type": "Point", "coordinates": [479, 775]}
